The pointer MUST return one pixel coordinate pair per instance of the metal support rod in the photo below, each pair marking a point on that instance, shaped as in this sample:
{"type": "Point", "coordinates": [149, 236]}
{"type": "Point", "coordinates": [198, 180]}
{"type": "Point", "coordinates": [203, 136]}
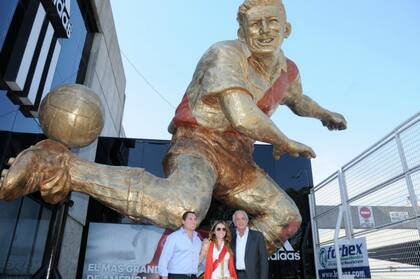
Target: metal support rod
{"type": "Point", "coordinates": [336, 246]}
{"type": "Point", "coordinates": [315, 236]}
{"type": "Point", "coordinates": [408, 180]}
{"type": "Point", "coordinates": [49, 268]}
{"type": "Point", "coordinates": [344, 202]}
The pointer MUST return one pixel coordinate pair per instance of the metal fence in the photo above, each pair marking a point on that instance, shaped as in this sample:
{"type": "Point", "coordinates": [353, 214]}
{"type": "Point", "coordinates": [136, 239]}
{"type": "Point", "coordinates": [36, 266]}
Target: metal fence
{"type": "Point", "coordinates": [380, 193]}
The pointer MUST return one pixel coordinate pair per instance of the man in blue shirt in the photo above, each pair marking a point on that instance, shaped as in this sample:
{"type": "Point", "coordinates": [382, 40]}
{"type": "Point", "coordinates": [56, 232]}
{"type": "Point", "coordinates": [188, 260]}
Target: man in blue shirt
{"type": "Point", "coordinates": [180, 255]}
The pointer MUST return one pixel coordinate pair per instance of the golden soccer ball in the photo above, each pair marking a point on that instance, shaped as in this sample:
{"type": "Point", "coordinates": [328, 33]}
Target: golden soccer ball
{"type": "Point", "coordinates": [72, 114]}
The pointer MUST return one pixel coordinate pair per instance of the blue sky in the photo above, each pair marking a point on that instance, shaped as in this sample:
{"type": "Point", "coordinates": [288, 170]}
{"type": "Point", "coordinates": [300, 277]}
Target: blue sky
{"type": "Point", "coordinates": [360, 58]}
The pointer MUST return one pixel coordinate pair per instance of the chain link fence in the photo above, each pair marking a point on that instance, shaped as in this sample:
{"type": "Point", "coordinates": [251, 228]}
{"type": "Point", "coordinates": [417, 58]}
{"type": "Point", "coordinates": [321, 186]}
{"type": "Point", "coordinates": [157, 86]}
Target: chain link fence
{"type": "Point", "coordinates": [380, 193]}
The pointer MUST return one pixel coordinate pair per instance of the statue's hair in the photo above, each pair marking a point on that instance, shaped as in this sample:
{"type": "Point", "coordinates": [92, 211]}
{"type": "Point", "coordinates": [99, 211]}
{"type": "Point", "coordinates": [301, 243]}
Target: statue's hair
{"type": "Point", "coordinates": [249, 4]}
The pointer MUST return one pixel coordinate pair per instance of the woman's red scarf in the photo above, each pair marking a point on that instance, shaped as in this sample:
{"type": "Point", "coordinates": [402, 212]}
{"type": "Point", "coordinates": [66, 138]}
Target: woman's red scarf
{"type": "Point", "coordinates": [211, 264]}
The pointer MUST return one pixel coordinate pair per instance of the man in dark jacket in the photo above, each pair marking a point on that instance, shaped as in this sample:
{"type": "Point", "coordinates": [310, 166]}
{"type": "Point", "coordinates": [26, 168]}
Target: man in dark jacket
{"type": "Point", "coordinates": [251, 259]}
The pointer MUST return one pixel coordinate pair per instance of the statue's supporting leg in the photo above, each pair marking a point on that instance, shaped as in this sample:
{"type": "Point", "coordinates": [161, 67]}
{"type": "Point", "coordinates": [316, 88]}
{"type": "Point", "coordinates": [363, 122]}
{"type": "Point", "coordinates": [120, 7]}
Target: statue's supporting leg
{"type": "Point", "coordinates": [50, 168]}
{"type": "Point", "coordinates": [277, 216]}
{"type": "Point", "coordinates": [139, 194]}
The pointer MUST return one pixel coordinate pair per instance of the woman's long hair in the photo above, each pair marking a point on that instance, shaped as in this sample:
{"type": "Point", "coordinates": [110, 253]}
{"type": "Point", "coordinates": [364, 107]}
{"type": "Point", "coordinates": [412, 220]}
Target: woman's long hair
{"type": "Point", "coordinates": [228, 235]}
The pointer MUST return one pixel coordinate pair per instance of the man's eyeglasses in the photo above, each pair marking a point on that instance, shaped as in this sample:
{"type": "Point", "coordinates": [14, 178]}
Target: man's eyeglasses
{"type": "Point", "coordinates": [221, 229]}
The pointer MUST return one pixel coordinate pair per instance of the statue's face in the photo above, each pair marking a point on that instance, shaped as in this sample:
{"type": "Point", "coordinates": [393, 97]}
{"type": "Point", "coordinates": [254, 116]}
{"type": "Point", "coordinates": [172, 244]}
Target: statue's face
{"type": "Point", "coordinates": [264, 29]}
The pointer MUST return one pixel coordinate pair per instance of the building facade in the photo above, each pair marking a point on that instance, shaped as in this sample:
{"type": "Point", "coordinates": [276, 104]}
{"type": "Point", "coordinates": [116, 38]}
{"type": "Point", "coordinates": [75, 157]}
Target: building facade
{"type": "Point", "coordinates": [44, 44]}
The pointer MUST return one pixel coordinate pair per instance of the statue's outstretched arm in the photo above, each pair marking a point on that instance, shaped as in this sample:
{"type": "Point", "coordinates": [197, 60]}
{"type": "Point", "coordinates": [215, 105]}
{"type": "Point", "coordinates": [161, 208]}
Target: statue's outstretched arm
{"type": "Point", "coordinates": [302, 105]}
{"type": "Point", "coordinates": [245, 117]}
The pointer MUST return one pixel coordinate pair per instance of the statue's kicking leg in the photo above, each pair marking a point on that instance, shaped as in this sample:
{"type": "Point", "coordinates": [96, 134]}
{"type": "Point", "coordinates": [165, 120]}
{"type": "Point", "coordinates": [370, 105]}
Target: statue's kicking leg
{"type": "Point", "coordinates": [276, 214]}
{"type": "Point", "coordinates": [52, 169]}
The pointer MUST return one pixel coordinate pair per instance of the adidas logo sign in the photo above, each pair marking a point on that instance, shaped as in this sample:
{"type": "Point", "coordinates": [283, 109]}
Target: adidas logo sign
{"type": "Point", "coordinates": [285, 254]}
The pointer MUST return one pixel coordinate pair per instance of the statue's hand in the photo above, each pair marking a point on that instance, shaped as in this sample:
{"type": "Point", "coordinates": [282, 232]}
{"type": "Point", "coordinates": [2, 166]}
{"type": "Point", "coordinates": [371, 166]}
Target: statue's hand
{"type": "Point", "coordinates": [43, 167]}
{"type": "Point", "coordinates": [334, 121]}
{"type": "Point", "coordinates": [293, 148]}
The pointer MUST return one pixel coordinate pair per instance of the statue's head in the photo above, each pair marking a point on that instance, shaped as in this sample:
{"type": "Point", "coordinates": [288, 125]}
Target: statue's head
{"type": "Point", "coordinates": [263, 25]}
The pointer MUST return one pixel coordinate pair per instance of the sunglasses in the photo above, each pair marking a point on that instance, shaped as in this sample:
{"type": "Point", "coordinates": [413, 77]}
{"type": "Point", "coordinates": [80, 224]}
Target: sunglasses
{"type": "Point", "coordinates": [221, 229]}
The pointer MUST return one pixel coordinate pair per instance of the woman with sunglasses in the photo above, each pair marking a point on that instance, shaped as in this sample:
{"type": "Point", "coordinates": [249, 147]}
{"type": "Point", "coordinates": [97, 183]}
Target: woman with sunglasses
{"type": "Point", "coordinates": [219, 256]}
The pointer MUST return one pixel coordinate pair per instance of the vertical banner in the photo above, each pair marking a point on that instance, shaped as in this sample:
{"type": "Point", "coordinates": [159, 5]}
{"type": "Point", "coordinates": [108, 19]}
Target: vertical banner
{"type": "Point", "coordinates": [353, 255]}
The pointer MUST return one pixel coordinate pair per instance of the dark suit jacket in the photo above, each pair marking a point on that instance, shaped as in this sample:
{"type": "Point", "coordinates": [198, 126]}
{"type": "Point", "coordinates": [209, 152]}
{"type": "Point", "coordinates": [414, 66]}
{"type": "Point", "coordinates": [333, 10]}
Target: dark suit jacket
{"type": "Point", "coordinates": [256, 258]}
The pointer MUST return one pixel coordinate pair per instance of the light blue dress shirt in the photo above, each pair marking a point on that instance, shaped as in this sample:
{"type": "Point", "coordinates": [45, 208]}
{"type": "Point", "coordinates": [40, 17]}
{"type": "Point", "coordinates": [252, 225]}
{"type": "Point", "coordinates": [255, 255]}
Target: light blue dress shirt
{"type": "Point", "coordinates": [180, 255]}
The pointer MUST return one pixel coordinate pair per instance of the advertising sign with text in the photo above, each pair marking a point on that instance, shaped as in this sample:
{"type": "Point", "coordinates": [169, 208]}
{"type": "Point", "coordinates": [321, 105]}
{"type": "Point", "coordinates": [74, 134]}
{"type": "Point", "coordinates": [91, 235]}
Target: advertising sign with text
{"type": "Point", "coordinates": [122, 251]}
{"type": "Point", "coordinates": [354, 259]}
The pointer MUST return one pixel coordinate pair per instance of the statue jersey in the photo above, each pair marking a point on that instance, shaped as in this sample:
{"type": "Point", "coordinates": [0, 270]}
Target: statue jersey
{"type": "Point", "coordinates": [228, 67]}
{"type": "Point", "coordinates": [200, 126]}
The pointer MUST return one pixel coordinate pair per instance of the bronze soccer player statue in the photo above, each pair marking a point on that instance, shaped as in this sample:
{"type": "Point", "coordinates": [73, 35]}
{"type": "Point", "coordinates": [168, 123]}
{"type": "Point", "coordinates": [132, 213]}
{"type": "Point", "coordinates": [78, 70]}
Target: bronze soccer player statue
{"type": "Point", "coordinates": [236, 87]}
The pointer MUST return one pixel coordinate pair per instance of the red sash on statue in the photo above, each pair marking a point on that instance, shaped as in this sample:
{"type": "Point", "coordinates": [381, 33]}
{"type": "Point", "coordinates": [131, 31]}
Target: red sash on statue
{"type": "Point", "coordinates": [271, 99]}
